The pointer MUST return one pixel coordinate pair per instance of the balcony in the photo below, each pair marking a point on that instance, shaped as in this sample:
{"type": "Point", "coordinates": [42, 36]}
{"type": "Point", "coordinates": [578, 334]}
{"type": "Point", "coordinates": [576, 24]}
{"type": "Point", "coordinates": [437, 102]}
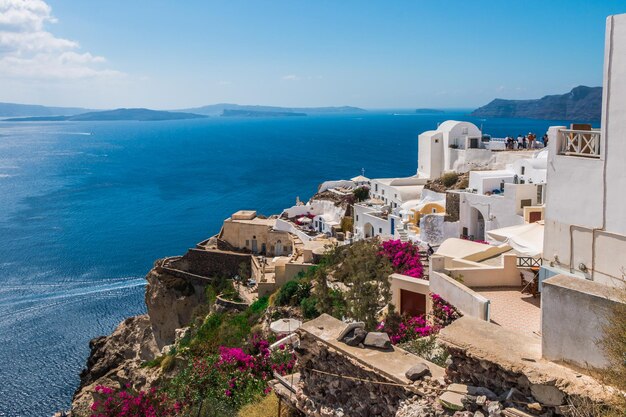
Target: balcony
{"type": "Point", "coordinates": [585, 143]}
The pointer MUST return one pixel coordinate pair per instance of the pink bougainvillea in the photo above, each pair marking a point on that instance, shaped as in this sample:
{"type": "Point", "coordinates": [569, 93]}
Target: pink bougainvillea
{"type": "Point", "coordinates": [405, 328]}
{"type": "Point", "coordinates": [404, 257]}
{"type": "Point", "coordinates": [444, 313]}
{"type": "Point", "coordinates": [131, 403]}
{"type": "Point", "coordinates": [408, 328]}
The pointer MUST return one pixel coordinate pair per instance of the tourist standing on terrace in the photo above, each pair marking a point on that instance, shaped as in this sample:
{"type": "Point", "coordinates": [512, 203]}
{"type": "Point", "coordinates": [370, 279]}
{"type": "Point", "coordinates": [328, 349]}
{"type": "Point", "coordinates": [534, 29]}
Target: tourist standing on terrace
{"type": "Point", "coordinates": [520, 141]}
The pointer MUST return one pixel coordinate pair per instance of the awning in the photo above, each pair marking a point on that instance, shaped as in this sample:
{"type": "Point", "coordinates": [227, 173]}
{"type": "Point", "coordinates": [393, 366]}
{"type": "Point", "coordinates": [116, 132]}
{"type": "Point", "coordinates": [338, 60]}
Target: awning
{"type": "Point", "coordinates": [527, 239]}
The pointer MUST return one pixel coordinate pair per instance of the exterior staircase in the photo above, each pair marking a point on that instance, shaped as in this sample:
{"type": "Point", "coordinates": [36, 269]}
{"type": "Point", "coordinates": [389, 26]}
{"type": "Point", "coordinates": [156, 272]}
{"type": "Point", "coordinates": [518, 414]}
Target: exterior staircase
{"type": "Point", "coordinates": [404, 236]}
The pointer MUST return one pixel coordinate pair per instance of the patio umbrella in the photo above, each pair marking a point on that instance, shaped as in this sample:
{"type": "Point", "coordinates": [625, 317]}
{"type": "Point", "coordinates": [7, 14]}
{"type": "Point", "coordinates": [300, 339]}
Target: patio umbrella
{"type": "Point", "coordinates": [285, 326]}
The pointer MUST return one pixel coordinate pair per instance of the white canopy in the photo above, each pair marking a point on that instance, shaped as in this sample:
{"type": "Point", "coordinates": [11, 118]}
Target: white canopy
{"type": "Point", "coordinates": [285, 326]}
{"type": "Point", "coordinates": [526, 239]}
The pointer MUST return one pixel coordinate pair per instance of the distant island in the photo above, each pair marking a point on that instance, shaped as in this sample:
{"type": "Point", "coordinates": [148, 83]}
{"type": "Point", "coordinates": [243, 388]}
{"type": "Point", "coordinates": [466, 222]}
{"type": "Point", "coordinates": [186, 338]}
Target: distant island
{"type": "Point", "coordinates": [429, 111]}
{"type": "Point", "coordinates": [219, 109]}
{"type": "Point", "coordinates": [111, 115]}
{"type": "Point", "coordinates": [255, 113]}
{"type": "Point", "coordinates": [582, 103]}
{"type": "Point", "coordinates": [20, 110]}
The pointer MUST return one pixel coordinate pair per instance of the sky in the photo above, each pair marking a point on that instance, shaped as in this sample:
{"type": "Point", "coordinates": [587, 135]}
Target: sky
{"type": "Point", "coordinates": [372, 54]}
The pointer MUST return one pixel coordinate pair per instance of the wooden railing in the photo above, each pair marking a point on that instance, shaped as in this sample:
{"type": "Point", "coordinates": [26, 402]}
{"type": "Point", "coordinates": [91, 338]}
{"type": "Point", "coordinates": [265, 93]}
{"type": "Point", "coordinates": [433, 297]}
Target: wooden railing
{"type": "Point", "coordinates": [580, 142]}
{"type": "Point", "coordinates": [528, 262]}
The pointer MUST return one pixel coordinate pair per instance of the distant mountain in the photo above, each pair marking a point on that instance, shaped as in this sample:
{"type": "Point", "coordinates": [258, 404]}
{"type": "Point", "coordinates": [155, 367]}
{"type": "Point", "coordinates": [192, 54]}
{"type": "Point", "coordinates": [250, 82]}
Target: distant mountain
{"type": "Point", "coordinates": [580, 104]}
{"type": "Point", "coordinates": [110, 115]}
{"type": "Point", "coordinates": [24, 110]}
{"type": "Point", "coordinates": [429, 111]}
{"type": "Point", "coordinates": [218, 109]}
{"type": "Point", "coordinates": [255, 113]}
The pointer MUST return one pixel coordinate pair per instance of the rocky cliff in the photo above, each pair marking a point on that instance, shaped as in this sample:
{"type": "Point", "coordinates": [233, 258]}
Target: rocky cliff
{"type": "Point", "coordinates": [116, 360]}
{"type": "Point", "coordinates": [580, 104]}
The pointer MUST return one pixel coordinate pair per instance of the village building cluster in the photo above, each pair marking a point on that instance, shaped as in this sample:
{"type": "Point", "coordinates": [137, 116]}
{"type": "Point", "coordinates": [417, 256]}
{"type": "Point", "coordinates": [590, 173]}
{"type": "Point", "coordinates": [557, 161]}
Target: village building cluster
{"type": "Point", "coordinates": [526, 240]}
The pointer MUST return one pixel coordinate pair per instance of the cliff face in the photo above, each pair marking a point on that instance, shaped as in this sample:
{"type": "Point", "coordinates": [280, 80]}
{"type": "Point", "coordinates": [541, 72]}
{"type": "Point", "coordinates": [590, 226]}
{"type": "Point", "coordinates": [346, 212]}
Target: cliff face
{"type": "Point", "coordinates": [171, 303]}
{"type": "Point", "coordinates": [116, 360]}
{"type": "Point", "coordinates": [581, 104]}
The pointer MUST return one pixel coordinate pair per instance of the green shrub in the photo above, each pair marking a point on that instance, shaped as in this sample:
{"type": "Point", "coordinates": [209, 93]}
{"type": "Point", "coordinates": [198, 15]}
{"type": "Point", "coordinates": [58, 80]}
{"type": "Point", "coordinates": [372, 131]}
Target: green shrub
{"type": "Point", "coordinates": [168, 363]}
{"type": "Point", "coordinates": [449, 179]}
{"type": "Point", "coordinates": [260, 305]}
{"type": "Point", "coordinates": [361, 193]}
{"type": "Point", "coordinates": [154, 362]}
{"type": "Point", "coordinates": [293, 292]}
{"type": "Point", "coordinates": [347, 224]}
{"type": "Point", "coordinates": [309, 308]}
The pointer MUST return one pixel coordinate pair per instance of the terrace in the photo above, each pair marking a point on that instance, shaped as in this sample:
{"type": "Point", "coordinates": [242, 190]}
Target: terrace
{"type": "Point", "coordinates": [582, 143]}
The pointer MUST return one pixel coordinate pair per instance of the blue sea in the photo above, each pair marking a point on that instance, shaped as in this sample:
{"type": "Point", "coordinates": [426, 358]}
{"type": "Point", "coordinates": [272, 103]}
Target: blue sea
{"type": "Point", "coordinates": [86, 208]}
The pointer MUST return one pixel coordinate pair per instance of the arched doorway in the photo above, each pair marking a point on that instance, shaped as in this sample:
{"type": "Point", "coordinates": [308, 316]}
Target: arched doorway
{"type": "Point", "coordinates": [279, 248]}
{"type": "Point", "coordinates": [368, 230]}
{"type": "Point", "coordinates": [477, 226]}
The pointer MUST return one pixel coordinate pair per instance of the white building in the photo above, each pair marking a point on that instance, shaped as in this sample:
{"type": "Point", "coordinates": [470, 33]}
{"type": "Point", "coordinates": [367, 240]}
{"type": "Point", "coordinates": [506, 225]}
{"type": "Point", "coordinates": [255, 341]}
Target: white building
{"type": "Point", "coordinates": [460, 147]}
{"type": "Point", "coordinates": [494, 199]}
{"type": "Point", "coordinates": [585, 220]}
{"type": "Point", "coordinates": [393, 192]}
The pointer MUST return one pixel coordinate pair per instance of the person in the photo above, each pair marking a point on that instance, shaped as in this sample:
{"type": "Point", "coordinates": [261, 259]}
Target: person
{"type": "Point", "coordinates": [545, 140]}
{"type": "Point", "coordinates": [525, 143]}
{"type": "Point", "coordinates": [520, 141]}
{"type": "Point", "coordinates": [430, 251]}
{"type": "Point", "coordinates": [531, 140]}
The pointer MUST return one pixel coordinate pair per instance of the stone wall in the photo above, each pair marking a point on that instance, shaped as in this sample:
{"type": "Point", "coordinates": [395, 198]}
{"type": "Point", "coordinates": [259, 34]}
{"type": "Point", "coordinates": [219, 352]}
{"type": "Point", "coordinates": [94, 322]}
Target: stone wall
{"type": "Point", "coordinates": [211, 263]}
{"type": "Point", "coordinates": [453, 201]}
{"type": "Point", "coordinates": [326, 395]}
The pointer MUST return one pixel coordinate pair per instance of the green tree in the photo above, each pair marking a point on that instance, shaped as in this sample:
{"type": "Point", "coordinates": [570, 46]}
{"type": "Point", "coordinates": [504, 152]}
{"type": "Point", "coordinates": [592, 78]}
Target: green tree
{"type": "Point", "coordinates": [361, 193]}
{"type": "Point", "coordinates": [366, 274]}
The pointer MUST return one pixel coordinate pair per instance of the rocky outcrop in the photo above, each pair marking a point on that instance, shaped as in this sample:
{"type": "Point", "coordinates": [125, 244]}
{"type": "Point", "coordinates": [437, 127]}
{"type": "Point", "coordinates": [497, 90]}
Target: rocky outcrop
{"type": "Point", "coordinates": [172, 303]}
{"type": "Point", "coordinates": [116, 360]}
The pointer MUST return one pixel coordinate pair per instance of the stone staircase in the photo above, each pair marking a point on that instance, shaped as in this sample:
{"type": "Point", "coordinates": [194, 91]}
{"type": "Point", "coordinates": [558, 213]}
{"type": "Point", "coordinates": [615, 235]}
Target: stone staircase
{"type": "Point", "coordinates": [404, 236]}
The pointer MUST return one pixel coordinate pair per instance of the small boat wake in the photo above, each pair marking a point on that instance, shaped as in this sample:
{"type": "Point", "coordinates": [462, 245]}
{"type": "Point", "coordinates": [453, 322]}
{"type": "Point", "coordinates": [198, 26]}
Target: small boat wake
{"type": "Point", "coordinates": [44, 298]}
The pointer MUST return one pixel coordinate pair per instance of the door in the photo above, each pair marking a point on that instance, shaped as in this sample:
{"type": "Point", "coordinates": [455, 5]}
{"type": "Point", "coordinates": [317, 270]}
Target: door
{"type": "Point", "coordinates": [412, 303]}
{"type": "Point", "coordinates": [255, 248]}
{"type": "Point", "coordinates": [279, 248]}
{"type": "Point", "coordinates": [534, 216]}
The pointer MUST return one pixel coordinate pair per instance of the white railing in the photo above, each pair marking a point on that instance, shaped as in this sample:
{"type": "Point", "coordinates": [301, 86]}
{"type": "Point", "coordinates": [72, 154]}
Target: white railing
{"type": "Point", "coordinates": [580, 142]}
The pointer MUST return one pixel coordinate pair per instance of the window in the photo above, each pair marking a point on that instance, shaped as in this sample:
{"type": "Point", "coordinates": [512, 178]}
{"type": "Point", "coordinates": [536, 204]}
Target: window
{"type": "Point", "coordinates": [436, 140]}
{"type": "Point", "coordinates": [434, 210]}
{"type": "Point", "coordinates": [380, 230]}
{"type": "Point", "coordinates": [247, 243]}
{"type": "Point", "coordinates": [526, 202]}
{"type": "Point", "coordinates": [395, 196]}
{"type": "Point", "coordinates": [523, 170]}
{"type": "Point", "coordinates": [376, 187]}
{"type": "Point", "coordinates": [539, 194]}
{"type": "Point", "coordinates": [357, 217]}
{"type": "Point", "coordinates": [383, 192]}
{"type": "Point", "coordinates": [464, 131]}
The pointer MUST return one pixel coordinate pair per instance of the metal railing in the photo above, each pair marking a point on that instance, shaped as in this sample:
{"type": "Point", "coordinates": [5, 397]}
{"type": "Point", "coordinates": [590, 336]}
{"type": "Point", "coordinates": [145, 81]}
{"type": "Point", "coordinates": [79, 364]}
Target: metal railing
{"type": "Point", "coordinates": [584, 143]}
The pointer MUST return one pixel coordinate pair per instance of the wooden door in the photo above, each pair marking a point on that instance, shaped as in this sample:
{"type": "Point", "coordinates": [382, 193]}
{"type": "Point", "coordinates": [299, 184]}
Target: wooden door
{"type": "Point", "coordinates": [412, 303]}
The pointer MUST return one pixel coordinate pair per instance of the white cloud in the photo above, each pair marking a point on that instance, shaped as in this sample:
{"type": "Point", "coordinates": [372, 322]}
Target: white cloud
{"type": "Point", "coordinates": [28, 50]}
{"type": "Point", "coordinates": [291, 77]}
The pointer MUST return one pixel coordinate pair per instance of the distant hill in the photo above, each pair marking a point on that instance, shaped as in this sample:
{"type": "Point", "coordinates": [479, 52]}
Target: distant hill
{"type": "Point", "coordinates": [429, 111]}
{"type": "Point", "coordinates": [118, 114]}
{"type": "Point", "coordinates": [256, 113]}
{"type": "Point", "coordinates": [581, 104]}
{"type": "Point", "coordinates": [24, 110]}
{"type": "Point", "coordinates": [218, 109]}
